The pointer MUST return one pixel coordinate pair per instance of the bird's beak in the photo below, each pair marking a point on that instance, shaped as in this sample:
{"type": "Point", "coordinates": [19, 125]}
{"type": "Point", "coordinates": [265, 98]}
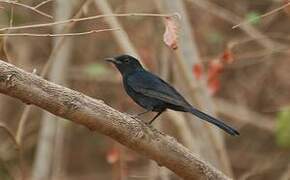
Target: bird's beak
{"type": "Point", "coordinates": [111, 60]}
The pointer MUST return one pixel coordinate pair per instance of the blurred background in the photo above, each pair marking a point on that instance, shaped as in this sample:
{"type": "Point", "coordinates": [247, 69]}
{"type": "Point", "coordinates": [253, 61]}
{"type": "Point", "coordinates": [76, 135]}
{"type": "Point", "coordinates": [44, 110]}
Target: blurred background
{"type": "Point", "coordinates": [241, 75]}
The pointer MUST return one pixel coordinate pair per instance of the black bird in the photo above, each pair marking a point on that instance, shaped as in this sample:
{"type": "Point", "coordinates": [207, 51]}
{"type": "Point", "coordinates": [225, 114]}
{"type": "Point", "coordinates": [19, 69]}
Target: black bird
{"type": "Point", "coordinates": [154, 94]}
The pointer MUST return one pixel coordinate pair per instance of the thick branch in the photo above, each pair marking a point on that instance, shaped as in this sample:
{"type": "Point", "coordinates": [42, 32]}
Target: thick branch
{"type": "Point", "coordinates": [96, 115]}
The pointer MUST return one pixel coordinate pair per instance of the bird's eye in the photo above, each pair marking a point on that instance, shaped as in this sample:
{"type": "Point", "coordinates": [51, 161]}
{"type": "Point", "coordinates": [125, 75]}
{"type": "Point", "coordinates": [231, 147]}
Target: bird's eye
{"type": "Point", "coordinates": [126, 60]}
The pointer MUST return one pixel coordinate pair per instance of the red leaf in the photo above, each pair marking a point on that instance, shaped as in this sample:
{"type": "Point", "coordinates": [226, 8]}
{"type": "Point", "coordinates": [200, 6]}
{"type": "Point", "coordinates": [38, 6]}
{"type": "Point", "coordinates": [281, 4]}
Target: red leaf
{"type": "Point", "coordinates": [170, 34]}
{"type": "Point", "coordinates": [227, 56]}
{"type": "Point", "coordinates": [213, 86]}
{"type": "Point", "coordinates": [113, 155]}
{"type": "Point", "coordinates": [197, 71]}
{"type": "Point", "coordinates": [215, 69]}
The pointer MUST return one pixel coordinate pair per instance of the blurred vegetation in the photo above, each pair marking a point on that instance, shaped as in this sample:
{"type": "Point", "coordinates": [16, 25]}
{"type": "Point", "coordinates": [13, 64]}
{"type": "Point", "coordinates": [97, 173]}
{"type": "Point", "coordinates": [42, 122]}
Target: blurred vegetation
{"type": "Point", "coordinates": [283, 128]}
{"type": "Point", "coordinates": [257, 80]}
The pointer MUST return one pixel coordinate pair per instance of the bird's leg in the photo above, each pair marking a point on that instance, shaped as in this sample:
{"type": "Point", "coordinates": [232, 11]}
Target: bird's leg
{"type": "Point", "coordinates": [137, 115]}
{"type": "Point", "coordinates": [158, 114]}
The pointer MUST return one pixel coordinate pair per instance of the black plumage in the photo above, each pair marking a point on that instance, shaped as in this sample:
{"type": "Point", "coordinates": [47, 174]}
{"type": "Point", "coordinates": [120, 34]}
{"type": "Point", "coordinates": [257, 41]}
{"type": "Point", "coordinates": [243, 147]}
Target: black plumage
{"type": "Point", "coordinates": [152, 93]}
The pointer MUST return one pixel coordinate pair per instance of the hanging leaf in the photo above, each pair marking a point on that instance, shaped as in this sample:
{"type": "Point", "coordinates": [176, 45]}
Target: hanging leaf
{"type": "Point", "coordinates": [170, 35]}
{"type": "Point", "coordinates": [197, 71]}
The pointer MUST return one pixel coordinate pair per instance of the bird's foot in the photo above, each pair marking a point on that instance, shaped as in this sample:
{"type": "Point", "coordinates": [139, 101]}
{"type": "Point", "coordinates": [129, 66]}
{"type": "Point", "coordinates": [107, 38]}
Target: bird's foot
{"type": "Point", "coordinates": [149, 124]}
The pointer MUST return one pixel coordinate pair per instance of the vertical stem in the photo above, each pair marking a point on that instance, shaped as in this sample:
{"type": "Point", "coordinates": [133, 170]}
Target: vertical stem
{"type": "Point", "coordinates": [121, 36]}
{"type": "Point", "coordinates": [212, 140]}
{"type": "Point", "coordinates": [50, 142]}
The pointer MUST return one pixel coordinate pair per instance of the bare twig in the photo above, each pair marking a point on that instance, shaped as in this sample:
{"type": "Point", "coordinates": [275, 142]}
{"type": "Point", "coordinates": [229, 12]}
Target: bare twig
{"type": "Point", "coordinates": [42, 3]}
{"type": "Point", "coordinates": [60, 42]}
{"type": "Point", "coordinates": [262, 16]}
{"type": "Point", "coordinates": [10, 134]}
{"type": "Point", "coordinates": [5, 49]}
{"type": "Point", "coordinates": [5, 39]}
{"type": "Point", "coordinates": [61, 34]}
{"type": "Point", "coordinates": [96, 115]}
{"type": "Point", "coordinates": [232, 18]}
{"type": "Point", "coordinates": [86, 19]}
{"type": "Point", "coordinates": [121, 36]}
{"type": "Point", "coordinates": [27, 109]}
{"type": "Point", "coordinates": [20, 173]}
{"type": "Point", "coordinates": [27, 7]}
{"type": "Point", "coordinates": [11, 16]}
{"type": "Point", "coordinates": [49, 155]}
{"type": "Point", "coordinates": [20, 130]}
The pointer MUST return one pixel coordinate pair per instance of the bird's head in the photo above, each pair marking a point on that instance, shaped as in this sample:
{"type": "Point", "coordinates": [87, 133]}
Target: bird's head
{"type": "Point", "coordinates": [125, 63]}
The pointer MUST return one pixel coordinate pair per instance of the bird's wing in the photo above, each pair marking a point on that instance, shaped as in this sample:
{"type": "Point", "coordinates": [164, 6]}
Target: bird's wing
{"type": "Point", "coordinates": [152, 86]}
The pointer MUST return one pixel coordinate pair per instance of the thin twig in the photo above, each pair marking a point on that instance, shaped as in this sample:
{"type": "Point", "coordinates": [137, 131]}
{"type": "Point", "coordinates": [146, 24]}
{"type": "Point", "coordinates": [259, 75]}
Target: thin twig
{"type": "Point", "coordinates": [20, 130]}
{"type": "Point", "coordinates": [18, 149]}
{"type": "Point", "coordinates": [61, 34]}
{"type": "Point", "coordinates": [42, 3]}
{"type": "Point", "coordinates": [121, 36]}
{"type": "Point", "coordinates": [232, 18]}
{"type": "Point", "coordinates": [11, 16]}
{"type": "Point", "coordinates": [5, 39]}
{"type": "Point", "coordinates": [86, 19]}
{"type": "Point", "coordinates": [10, 134]}
{"type": "Point", "coordinates": [27, 109]}
{"type": "Point", "coordinates": [27, 7]}
{"type": "Point", "coordinates": [262, 16]}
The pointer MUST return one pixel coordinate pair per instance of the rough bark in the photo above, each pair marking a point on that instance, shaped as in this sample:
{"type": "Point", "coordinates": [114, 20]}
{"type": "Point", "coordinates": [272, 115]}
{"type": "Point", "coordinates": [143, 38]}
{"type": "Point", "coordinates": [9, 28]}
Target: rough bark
{"type": "Point", "coordinates": [98, 116]}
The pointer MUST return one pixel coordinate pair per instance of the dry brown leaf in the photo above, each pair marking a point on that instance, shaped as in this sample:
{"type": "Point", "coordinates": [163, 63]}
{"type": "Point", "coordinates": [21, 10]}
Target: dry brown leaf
{"type": "Point", "coordinates": [170, 34]}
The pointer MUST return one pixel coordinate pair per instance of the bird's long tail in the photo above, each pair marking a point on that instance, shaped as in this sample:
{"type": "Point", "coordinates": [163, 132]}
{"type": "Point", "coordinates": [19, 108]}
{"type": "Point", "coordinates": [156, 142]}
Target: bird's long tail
{"type": "Point", "coordinates": [214, 121]}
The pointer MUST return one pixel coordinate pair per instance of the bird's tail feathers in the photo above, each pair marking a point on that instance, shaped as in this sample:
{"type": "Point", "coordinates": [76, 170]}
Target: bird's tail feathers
{"type": "Point", "coordinates": [214, 121]}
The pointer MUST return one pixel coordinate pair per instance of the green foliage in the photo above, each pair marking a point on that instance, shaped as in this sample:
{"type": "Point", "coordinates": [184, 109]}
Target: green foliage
{"type": "Point", "coordinates": [253, 17]}
{"type": "Point", "coordinates": [283, 128]}
{"type": "Point", "coordinates": [95, 69]}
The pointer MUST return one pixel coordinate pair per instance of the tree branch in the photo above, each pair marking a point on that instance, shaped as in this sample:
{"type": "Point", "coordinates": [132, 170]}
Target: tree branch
{"type": "Point", "coordinates": [96, 115]}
